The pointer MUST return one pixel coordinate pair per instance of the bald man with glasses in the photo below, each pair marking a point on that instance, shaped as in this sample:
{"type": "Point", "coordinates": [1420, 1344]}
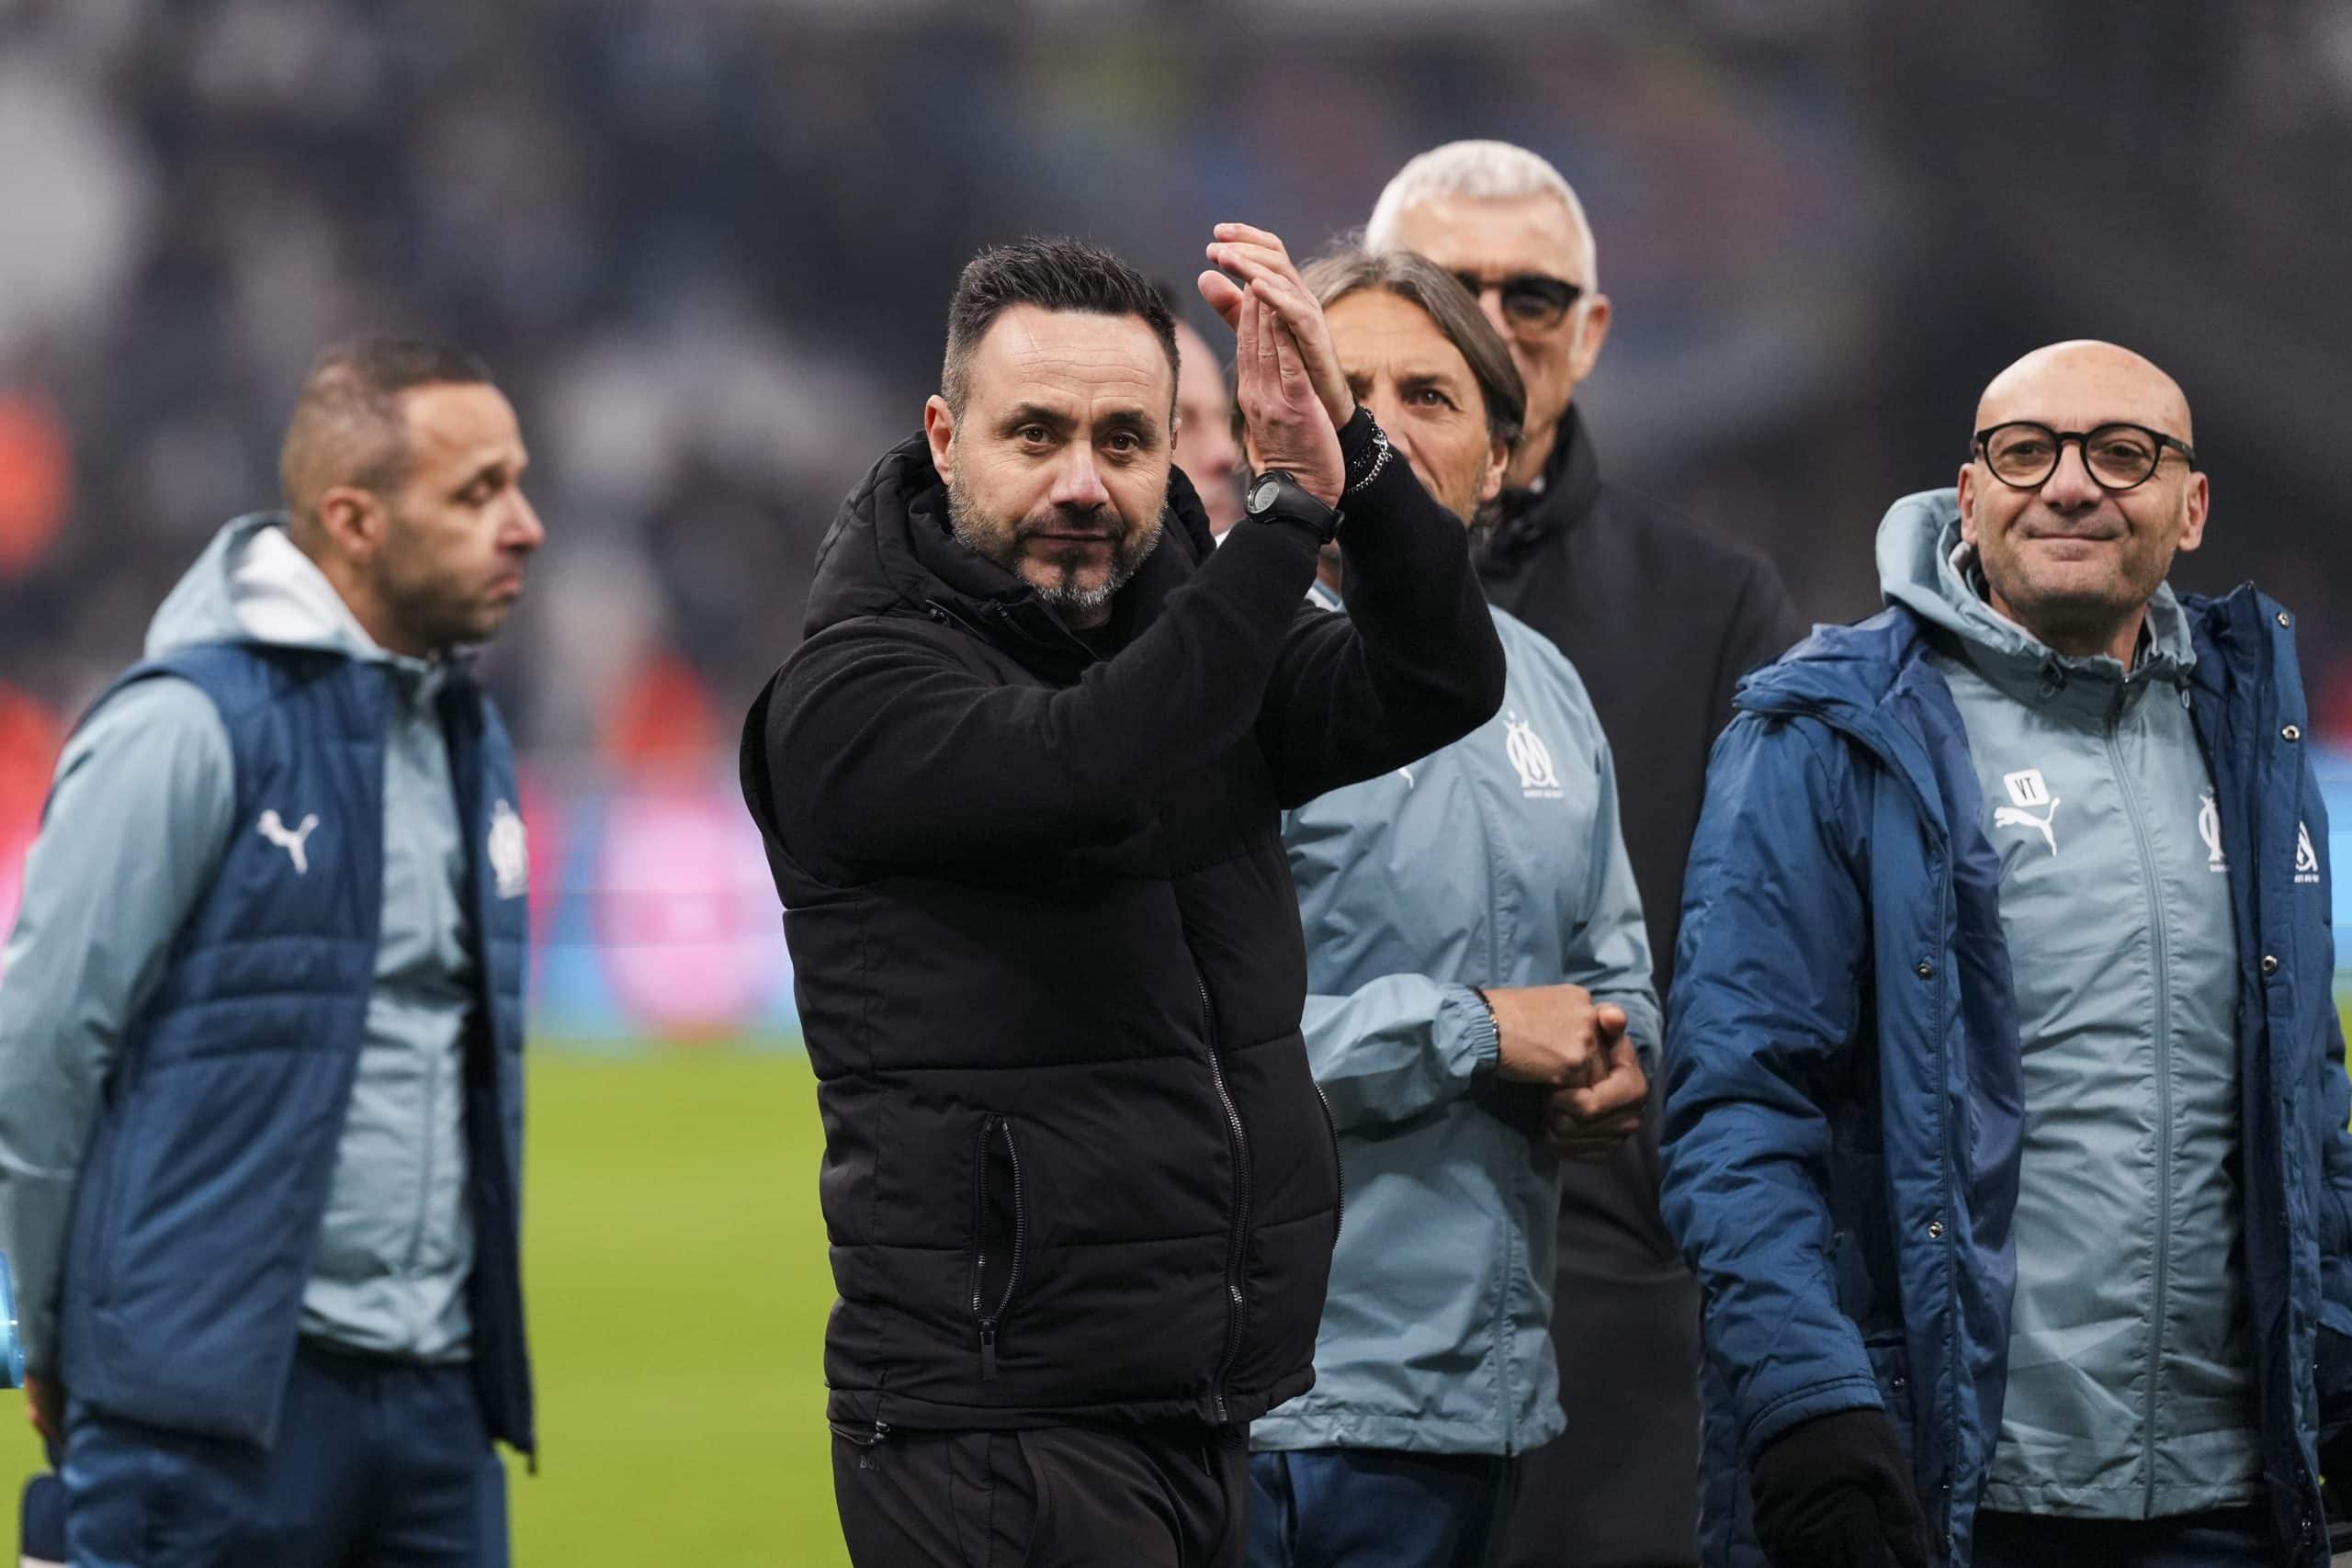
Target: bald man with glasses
{"type": "Point", "coordinates": [2005, 1103]}
{"type": "Point", "coordinates": [1660, 619]}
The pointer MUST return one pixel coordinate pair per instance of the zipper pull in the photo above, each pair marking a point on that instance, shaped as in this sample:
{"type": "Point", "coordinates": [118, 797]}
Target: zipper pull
{"type": "Point", "coordinates": [988, 1349]}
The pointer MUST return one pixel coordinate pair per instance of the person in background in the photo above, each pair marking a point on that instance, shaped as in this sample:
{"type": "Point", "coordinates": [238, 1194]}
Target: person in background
{"type": "Point", "coordinates": [1478, 1006]}
{"type": "Point", "coordinates": [1659, 619]}
{"type": "Point", "coordinates": [1206, 447]}
{"type": "Point", "coordinates": [261, 1041]}
{"type": "Point", "coordinates": [2005, 1100]}
{"type": "Point", "coordinates": [1080, 1191]}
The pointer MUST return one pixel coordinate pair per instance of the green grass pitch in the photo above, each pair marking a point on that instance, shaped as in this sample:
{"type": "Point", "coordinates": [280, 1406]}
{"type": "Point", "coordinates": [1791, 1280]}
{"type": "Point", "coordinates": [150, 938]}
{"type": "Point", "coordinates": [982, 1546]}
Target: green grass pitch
{"type": "Point", "coordinates": [677, 1286]}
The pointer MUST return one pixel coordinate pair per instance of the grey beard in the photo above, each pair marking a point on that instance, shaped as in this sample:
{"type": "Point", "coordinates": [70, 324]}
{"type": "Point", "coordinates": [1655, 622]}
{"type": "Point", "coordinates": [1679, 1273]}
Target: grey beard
{"type": "Point", "coordinates": [1063, 593]}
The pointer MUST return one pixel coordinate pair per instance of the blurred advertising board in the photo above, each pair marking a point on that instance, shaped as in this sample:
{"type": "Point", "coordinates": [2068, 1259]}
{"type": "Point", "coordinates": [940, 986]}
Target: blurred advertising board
{"type": "Point", "coordinates": [653, 918]}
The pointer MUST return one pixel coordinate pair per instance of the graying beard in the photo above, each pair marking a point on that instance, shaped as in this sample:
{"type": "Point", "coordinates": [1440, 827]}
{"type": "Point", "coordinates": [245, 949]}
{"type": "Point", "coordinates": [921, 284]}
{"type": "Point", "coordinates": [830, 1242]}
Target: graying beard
{"type": "Point", "coordinates": [1061, 595]}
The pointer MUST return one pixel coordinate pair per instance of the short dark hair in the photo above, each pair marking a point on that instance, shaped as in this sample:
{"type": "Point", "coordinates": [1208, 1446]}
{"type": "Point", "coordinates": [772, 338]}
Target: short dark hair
{"type": "Point", "coordinates": [1437, 292]}
{"type": "Point", "coordinates": [1055, 274]}
{"type": "Point", "coordinates": [347, 427]}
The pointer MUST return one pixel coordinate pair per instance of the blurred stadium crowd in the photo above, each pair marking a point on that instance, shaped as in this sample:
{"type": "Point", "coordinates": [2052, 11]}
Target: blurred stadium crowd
{"type": "Point", "coordinates": [707, 244]}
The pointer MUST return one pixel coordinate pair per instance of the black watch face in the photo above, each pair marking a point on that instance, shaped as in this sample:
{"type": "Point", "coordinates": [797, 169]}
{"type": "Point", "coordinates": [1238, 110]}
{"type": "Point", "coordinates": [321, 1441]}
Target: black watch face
{"type": "Point", "coordinates": [1262, 499]}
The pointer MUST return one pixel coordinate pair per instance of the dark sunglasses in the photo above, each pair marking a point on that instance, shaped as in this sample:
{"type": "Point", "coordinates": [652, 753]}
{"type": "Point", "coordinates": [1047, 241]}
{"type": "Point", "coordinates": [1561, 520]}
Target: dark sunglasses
{"type": "Point", "coordinates": [1535, 300]}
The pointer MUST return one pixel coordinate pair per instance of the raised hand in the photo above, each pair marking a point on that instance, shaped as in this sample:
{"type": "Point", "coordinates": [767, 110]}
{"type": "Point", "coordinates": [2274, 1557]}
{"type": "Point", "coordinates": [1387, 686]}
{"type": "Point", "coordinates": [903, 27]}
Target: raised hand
{"type": "Point", "coordinates": [1283, 366]}
{"type": "Point", "coordinates": [1257, 258]}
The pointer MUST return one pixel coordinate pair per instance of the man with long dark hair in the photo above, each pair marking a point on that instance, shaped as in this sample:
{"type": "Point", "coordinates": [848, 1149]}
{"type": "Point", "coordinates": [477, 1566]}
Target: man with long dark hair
{"type": "Point", "coordinates": [1480, 1011]}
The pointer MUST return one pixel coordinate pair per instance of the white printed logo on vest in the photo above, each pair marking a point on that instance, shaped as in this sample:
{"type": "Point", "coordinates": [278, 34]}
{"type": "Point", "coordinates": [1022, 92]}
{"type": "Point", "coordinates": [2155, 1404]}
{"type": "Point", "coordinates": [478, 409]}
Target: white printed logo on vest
{"type": "Point", "coordinates": [2306, 856]}
{"type": "Point", "coordinates": [292, 840]}
{"type": "Point", "coordinates": [2209, 828]}
{"type": "Point", "coordinates": [1530, 758]}
{"type": "Point", "coordinates": [2027, 790]}
{"type": "Point", "coordinates": [510, 852]}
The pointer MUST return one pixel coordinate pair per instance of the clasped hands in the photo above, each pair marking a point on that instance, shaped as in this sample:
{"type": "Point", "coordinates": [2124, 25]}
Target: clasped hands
{"type": "Point", "coordinates": [1559, 1037]}
{"type": "Point", "coordinates": [1293, 395]}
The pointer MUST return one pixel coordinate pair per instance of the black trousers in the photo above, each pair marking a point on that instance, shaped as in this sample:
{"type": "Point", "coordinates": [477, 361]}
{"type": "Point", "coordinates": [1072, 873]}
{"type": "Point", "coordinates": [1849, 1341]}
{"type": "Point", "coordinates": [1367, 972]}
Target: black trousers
{"type": "Point", "coordinates": [1047, 1497]}
{"type": "Point", "coordinates": [1620, 1488]}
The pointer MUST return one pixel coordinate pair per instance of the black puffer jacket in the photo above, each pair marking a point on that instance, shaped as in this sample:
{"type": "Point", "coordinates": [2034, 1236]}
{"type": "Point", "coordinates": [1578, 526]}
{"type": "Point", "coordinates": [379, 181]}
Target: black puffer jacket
{"type": "Point", "coordinates": [1047, 952]}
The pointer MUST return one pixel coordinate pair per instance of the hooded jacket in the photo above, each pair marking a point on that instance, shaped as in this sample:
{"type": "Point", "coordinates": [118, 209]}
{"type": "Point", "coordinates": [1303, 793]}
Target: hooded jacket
{"type": "Point", "coordinates": [1844, 1087]}
{"type": "Point", "coordinates": [2130, 1389]}
{"type": "Point", "coordinates": [1494, 862]}
{"type": "Point", "coordinates": [1047, 952]}
{"type": "Point", "coordinates": [147, 839]}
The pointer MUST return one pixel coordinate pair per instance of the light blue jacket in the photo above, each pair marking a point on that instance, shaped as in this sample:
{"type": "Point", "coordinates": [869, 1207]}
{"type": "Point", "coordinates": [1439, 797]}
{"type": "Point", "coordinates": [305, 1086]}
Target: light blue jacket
{"type": "Point", "coordinates": [2131, 1386]}
{"type": "Point", "coordinates": [1496, 862]}
{"type": "Point", "coordinates": [138, 821]}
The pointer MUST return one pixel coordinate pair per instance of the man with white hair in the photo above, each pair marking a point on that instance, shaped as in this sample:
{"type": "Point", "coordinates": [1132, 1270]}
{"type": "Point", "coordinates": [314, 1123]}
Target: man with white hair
{"type": "Point", "coordinates": [1660, 619]}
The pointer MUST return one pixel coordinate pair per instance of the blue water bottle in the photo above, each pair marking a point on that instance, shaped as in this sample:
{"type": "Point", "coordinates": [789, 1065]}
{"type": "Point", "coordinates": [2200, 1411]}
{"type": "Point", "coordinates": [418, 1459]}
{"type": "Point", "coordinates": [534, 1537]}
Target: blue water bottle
{"type": "Point", "coordinates": [12, 1350]}
{"type": "Point", "coordinates": [42, 1517]}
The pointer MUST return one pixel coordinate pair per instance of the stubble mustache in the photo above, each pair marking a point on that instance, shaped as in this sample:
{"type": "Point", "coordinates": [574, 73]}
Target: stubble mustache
{"type": "Point", "coordinates": [1100, 521]}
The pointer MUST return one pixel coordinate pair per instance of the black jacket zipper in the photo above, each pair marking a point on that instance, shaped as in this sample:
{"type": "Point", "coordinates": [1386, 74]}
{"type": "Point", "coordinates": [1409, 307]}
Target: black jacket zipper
{"type": "Point", "coordinates": [1235, 1303]}
{"type": "Point", "coordinates": [985, 1316]}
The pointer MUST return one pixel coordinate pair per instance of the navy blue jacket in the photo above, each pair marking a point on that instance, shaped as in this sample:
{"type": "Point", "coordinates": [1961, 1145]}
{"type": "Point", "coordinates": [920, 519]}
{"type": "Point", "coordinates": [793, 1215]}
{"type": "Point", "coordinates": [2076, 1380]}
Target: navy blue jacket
{"type": "Point", "coordinates": [209, 1170]}
{"type": "Point", "coordinates": [1842, 1101]}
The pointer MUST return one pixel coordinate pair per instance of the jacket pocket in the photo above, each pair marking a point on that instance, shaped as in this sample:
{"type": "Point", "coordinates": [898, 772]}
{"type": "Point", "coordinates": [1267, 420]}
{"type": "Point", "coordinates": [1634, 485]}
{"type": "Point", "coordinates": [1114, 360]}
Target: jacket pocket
{"type": "Point", "coordinates": [1339, 1169]}
{"type": "Point", "coordinates": [1000, 1233]}
{"type": "Point", "coordinates": [111, 1150]}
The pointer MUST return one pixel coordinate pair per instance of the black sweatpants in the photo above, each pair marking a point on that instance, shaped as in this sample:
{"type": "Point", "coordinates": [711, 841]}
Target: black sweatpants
{"type": "Point", "coordinates": [1047, 1497]}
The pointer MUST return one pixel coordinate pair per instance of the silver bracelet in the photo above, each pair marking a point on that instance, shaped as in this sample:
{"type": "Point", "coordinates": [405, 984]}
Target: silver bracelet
{"type": "Point", "coordinates": [1380, 442]}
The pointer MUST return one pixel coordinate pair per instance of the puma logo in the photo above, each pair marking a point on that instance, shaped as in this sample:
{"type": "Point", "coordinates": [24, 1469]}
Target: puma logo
{"type": "Point", "coordinates": [2010, 817]}
{"type": "Point", "coordinates": [2027, 787]}
{"type": "Point", "coordinates": [273, 827]}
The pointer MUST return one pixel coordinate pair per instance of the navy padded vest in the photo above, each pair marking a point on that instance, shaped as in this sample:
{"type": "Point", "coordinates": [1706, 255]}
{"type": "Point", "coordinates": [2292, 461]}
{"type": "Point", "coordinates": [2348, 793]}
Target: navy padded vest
{"type": "Point", "coordinates": [208, 1174]}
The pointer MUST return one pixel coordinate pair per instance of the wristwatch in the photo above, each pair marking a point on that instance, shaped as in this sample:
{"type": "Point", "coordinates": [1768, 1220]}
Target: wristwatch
{"type": "Point", "coordinates": [1276, 495]}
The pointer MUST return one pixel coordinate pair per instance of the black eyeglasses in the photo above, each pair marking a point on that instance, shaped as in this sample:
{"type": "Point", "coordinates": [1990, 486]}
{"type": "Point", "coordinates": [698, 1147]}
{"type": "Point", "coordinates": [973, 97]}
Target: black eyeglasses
{"type": "Point", "coordinates": [1533, 301]}
{"type": "Point", "coordinates": [2023, 455]}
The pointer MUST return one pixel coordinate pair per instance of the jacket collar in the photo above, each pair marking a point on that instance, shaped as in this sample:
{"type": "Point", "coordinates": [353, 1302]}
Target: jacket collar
{"type": "Point", "coordinates": [1925, 565]}
{"type": "Point", "coordinates": [889, 552]}
{"type": "Point", "coordinates": [1872, 680]}
{"type": "Point", "coordinates": [1570, 488]}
